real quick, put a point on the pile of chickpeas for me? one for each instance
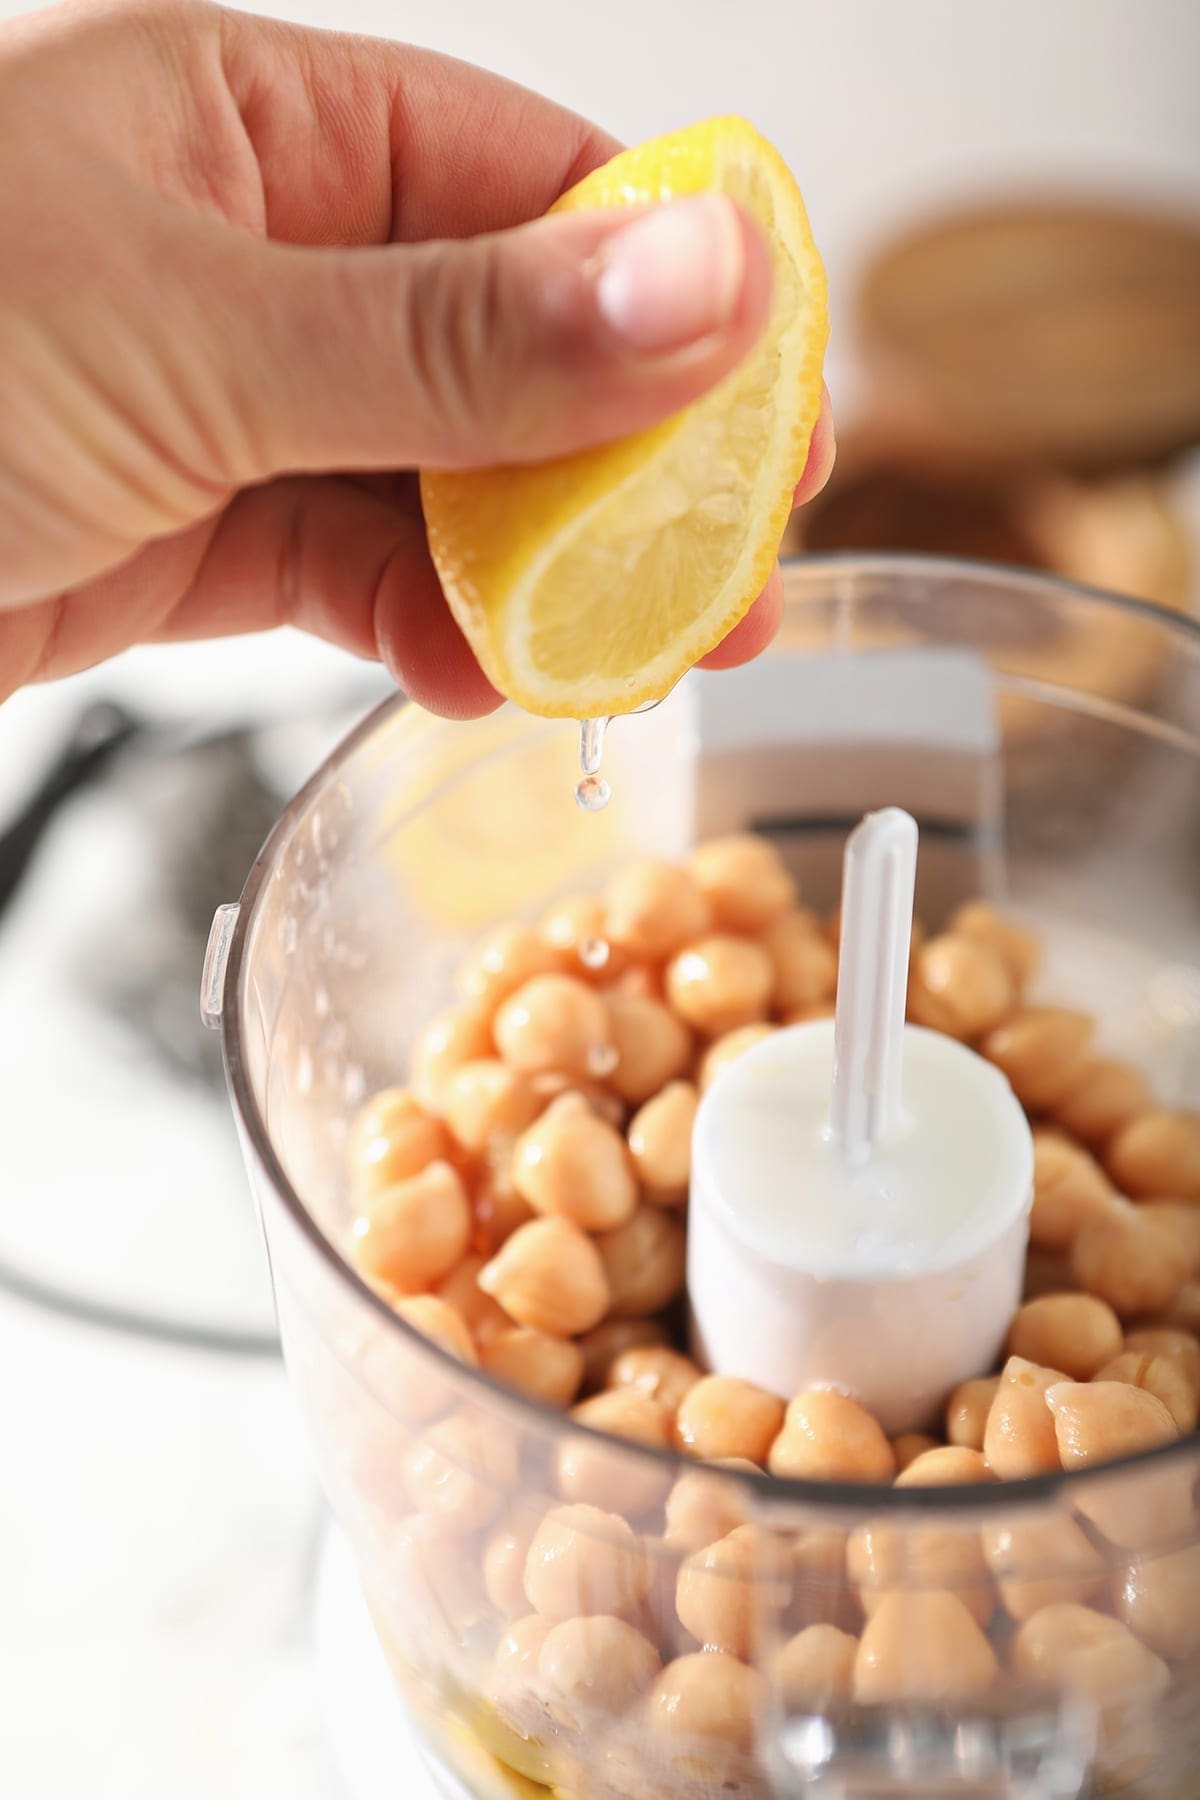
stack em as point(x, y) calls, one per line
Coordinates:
point(521, 1201)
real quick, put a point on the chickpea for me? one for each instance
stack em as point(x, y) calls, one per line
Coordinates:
point(924, 1647)
point(1040, 1049)
point(804, 964)
point(549, 1275)
point(660, 1143)
point(414, 1232)
point(720, 983)
point(462, 1471)
point(402, 1380)
point(883, 1559)
point(593, 1669)
point(1161, 1376)
point(1131, 1262)
point(826, 1436)
point(644, 1262)
point(1098, 1421)
point(509, 956)
point(438, 1322)
point(1158, 1597)
point(604, 1103)
point(512, 1683)
point(744, 879)
point(555, 1025)
point(823, 1594)
point(1164, 1340)
point(584, 1562)
point(599, 1473)
point(909, 1445)
point(1070, 1646)
point(946, 1465)
point(575, 932)
point(1070, 1189)
point(1047, 1272)
point(432, 1566)
point(729, 1594)
point(1181, 1223)
point(967, 1411)
point(722, 1417)
point(653, 1046)
point(1076, 1333)
point(1019, 1437)
point(460, 1035)
point(1157, 1154)
point(548, 1368)
point(815, 1667)
point(478, 1311)
point(653, 908)
point(602, 1345)
point(1103, 1098)
point(504, 1558)
point(967, 980)
point(655, 1370)
point(499, 1208)
point(572, 1165)
point(1184, 1311)
point(708, 1695)
point(482, 1101)
point(1042, 1562)
point(727, 1049)
point(393, 1138)
point(703, 1507)
point(1019, 948)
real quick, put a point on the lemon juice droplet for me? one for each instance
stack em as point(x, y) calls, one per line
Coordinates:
point(593, 953)
point(592, 792)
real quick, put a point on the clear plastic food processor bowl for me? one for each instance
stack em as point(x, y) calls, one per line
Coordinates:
point(1047, 739)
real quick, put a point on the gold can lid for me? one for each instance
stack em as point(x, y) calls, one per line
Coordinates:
point(1055, 334)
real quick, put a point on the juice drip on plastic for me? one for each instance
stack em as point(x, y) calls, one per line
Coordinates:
point(592, 792)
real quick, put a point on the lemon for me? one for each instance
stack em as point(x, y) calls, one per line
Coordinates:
point(589, 584)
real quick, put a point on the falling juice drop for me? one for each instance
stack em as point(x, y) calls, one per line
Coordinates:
point(592, 792)
point(594, 953)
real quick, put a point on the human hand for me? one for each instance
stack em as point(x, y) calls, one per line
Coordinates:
point(254, 276)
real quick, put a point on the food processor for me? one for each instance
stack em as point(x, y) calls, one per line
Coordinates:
point(1046, 738)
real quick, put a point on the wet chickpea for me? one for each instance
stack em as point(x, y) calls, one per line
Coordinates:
point(722, 1416)
point(1184, 1310)
point(1098, 1421)
point(882, 1559)
point(593, 1669)
point(549, 1275)
point(1070, 1646)
point(504, 1557)
point(416, 1231)
point(660, 1143)
point(1161, 1376)
point(1181, 1222)
point(547, 1368)
point(432, 1565)
point(653, 908)
point(570, 1164)
point(1019, 949)
point(393, 1138)
point(604, 1343)
point(406, 1384)
point(967, 1411)
point(508, 957)
point(1019, 1438)
point(1070, 1189)
point(644, 1262)
point(652, 1046)
point(744, 880)
point(1165, 1340)
point(499, 1209)
point(909, 1445)
point(462, 1470)
point(583, 1562)
point(1158, 1597)
point(720, 983)
point(945, 1465)
point(1104, 1097)
point(1076, 1333)
point(1047, 1272)
point(922, 1646)
point(596, 1474)
point(822, 1592)
point(439, 1322)
point(575, 932)
point(512, 1683)
point(703, 1507)
point(486, 1100)
point(1043, 1562)
point(555, 1024)
point(478, 1311)
point(652, 1369)
point(709, 1695)
point(968, 982)
point(731, 1593)
point(1131, 1262)
point(728, 1048)
point(828, 1437)
point(460, 1035)
point(1157, 1154)
point(815, 1667)
point(803, 963)
point(1040, 1049)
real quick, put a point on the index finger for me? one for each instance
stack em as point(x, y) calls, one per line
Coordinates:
point(360, 140)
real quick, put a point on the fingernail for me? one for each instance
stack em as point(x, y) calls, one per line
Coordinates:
point(674, 274)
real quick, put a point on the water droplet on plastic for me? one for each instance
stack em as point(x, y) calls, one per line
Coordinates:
point(602, 1060)
point(594, 953)
point(593, 793)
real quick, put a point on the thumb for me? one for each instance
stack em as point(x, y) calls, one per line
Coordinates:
point(515, 346)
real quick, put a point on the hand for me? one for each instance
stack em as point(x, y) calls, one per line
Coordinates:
point(254, 276)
